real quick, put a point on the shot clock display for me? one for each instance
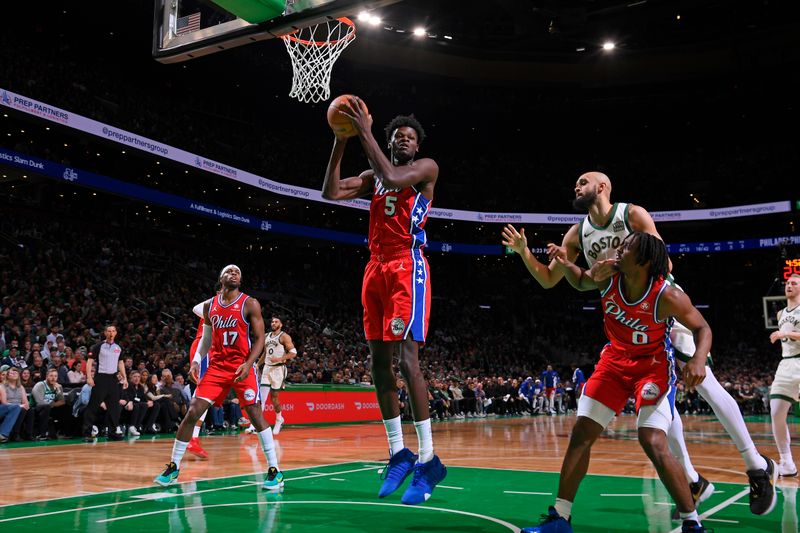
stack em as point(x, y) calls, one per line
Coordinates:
point(790, 266)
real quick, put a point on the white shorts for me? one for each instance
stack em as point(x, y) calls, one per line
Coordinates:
point(274, 377)
point(786, 385)
point(657, 416)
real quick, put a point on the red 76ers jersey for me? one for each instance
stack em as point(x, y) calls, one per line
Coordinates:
point(230, 338)
point(396, 219)
point(632, 327)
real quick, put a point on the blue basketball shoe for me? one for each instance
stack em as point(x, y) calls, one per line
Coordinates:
point(426, 477)
point(274, 479)
point(552, 522)
point(396, 471)
point(168, 476)
point(690, 526)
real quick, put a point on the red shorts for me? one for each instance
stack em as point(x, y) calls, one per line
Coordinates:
point(616, 378)
point(217, 381)
point(396, 295)
point(549, 390)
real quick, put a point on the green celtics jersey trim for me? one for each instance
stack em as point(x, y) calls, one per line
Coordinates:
point(789, 321)
point(599, 243)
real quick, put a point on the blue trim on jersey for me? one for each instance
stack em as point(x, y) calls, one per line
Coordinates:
point(203, 367)
point(416, 325)
point(655, 306)
point(672, 377)
point(241, 311)
point(420, 209)
point(219, 300)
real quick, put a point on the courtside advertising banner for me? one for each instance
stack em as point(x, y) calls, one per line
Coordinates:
point(318, 407)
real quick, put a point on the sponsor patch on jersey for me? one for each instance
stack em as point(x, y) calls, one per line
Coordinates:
point(249, 395)
point(397, 326)
point(650, 391)
point(645, 306)
point(618, 226)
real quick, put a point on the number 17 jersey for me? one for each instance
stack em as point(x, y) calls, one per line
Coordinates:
point(396, 220)
point(230, 338)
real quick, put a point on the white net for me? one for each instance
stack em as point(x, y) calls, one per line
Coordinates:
point(314, 50)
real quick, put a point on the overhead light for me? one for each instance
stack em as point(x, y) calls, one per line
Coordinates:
point(374, 20)
point(363, 16)
point(678, 17)
point(420, 31)
point(608, 45)
point(580, 49)
point(448, 37)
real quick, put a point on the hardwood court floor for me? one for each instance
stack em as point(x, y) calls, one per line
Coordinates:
point(502, 475)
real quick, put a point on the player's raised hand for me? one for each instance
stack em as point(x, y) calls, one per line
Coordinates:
point(242, 372)
point(194, 372)
point(356, 110)
point(602, 270)
point(555, 251)
point(514, 239)
point(694, 372)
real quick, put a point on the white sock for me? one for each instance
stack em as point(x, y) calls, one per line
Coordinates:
point(394, 431)
point(178, 449)
point(780, 429)
point(677, 445)
point(727, 410)
point(425, 440)
point(563, 508)
point(690, 516)
point(196, 430)
point(268, 445)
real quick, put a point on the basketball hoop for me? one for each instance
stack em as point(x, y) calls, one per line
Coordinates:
point(313, 51)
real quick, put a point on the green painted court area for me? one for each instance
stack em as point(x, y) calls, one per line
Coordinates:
point(342, 498)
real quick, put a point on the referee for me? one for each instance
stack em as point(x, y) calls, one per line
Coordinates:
point(105, 385)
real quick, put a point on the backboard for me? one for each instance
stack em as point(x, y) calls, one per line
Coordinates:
point(186, 29)
point(772, 304)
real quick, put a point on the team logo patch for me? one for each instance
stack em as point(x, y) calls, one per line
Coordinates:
point(618, 226)
point(645, 306)
point(397, 326)
point(249, 395)
point(650, 391)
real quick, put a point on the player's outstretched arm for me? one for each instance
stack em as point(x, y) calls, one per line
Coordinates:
point(675, 303)
point(335, 188)
point(578, 277)
point(547, 275)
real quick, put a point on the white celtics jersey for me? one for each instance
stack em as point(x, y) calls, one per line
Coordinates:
point(599, 243)
point(274, 349)
point(789, 321)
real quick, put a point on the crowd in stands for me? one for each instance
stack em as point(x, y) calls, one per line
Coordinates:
point(489, 343)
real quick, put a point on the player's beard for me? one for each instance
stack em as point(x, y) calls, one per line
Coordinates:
point(583, 203)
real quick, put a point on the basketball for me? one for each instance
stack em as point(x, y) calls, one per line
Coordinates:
point(340, 123)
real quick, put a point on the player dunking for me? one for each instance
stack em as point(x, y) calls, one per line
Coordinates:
point(638, 305)
point(229, 319)
point(395, 293)
point(597, 237)
point(784, 391)
point(278, 349)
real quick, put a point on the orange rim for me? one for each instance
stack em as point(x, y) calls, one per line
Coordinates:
point(344, 20)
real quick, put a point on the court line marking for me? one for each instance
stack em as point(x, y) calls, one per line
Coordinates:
point(503, 523)
point(717, 508)
point(720, 520)
point(626, 495)
point(337, 479)
point(446, 487)
point(176, 494)
point(531, 493)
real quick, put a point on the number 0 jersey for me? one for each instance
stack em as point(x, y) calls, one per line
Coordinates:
point(230, 339)
point(633, 328)
point(396, 220)
point(274, 348)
